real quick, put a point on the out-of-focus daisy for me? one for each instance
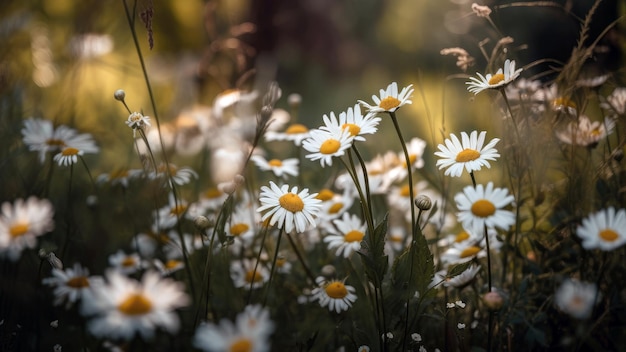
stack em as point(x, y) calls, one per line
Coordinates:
point(212, 199)
point(586, 133)
point(120, 176)
point(615, 102)
point(74, 147)
point(592, 82)
point(468, 154)
point(296, 133)
point(41, 136)
point(605, 230)
point(137, 121)
point(463, 278)
point(399, 198)
point(71, 284)
point(348, 236)
point(246, 273)
point(353, 121)
point(280, 168)
point(324, 145)
point(125, 263)
point(498, 80)
point(334, 208)
point(462, 252)
point(241, 228)
point(169, 266)
point(21, 223)
point(288, 209)
point(250, 332)
point(175, 210)
point(484, 206)
point(576, 298)
point(334, 294)
point(389, 100)
point(180, 175)
point(124, 307)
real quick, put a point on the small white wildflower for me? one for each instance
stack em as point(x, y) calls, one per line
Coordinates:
point(461, 326)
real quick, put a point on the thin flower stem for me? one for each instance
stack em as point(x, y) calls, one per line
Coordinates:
point(364, 205)
point(368, 194)
point(256, 264)
point(272, 271)
point(308, 271)
point(408, 299)
point(409, 168)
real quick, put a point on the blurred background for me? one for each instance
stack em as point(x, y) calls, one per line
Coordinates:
point(63, 59)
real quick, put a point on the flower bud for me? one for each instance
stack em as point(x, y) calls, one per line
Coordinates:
point(202, 222)
point(493, 300)
point(119, 94)
point(423, 202)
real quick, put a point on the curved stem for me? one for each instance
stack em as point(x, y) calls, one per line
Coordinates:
point(409, 170)
point(272, 271)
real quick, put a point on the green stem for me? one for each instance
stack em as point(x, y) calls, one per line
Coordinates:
point(409, 170)
point(272, 271)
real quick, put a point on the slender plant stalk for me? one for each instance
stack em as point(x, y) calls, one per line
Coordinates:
point(273, 270)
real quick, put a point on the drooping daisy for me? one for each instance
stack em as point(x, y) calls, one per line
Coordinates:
point(71, 284)
point(462, 252)
point(605, 230)
point(169, 266)
point(120, 176)
point(483, 206)
point(348, 235)
point(245, 273)
point(333, 294)
point(353, 121)
point(125, 263)
point(324, 145)
point(41, 136)
point(74, 147)
point(576, 298)
point(280, 168)
point(179, 175)
point(124, 307)
point(468, 154)
point(586, 133)
point(500, 79)
point(137, 121)
point(389, 100)
point(615, 102)
point(21, 223)
point(463, 278)
point(251, 332)
point(288, 209)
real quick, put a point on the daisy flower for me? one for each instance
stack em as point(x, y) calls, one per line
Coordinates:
point(280, 168)
point(500, 79)
point(21, 223)
point(295, 133)
point(586, 133)
point(125, 263)
point(71, 284)
point(179, 175)
point(212, 199)
point(124, 307)
point(324, 145)
point(576, 298)
point(616, 101)
point(463, 278)
point(605, 230)
point(468, 154)
point(169, 266)
point(250, 332)
point(333, 294)
point(74, 147)
point(241, 229)
point(246, 274)
point(137, 121)
point(348, 236)
point(41, 136)
point(171, 213)
point(462, 252)
point(353, 121)
point(389, 100)
point(120, 176)
point(288, 209)
point(483, 206)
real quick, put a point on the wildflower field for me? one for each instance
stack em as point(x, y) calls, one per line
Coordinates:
point(248, 176)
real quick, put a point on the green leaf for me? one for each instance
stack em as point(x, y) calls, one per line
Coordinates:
point(373, 255)
point(222, 218)
point(458, 269)
point(414, 269)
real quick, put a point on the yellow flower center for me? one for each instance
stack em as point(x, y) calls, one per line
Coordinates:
point(171, 264)
point(467, 155)
point(483, 208)
point(19, 229)
point(469, 252)
point(275, 163)
point(135, 117)
point(135, 304)
point(405, 191)
point(330, 146)
point(354, 129)
point(336, 290)
point(563, 101)
point(241, 345)
point(335, 208)
point(55, 142)
point(353, 236)
point(396, 238)
point(129, 261)
point(163, 168)
point(178, 210)
point(252, 276)
point(280, 262)
point(595, 132)
point(118, 174)
point(389, 103)
point(238, 229)
point(462, 236)
point(497, 78)
point(78, 282)
point(412, 159)
point(212, 193)
point(608, 235)
point(291, 202)
point(69, 151)
point(296, 129)
point(325, 194)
